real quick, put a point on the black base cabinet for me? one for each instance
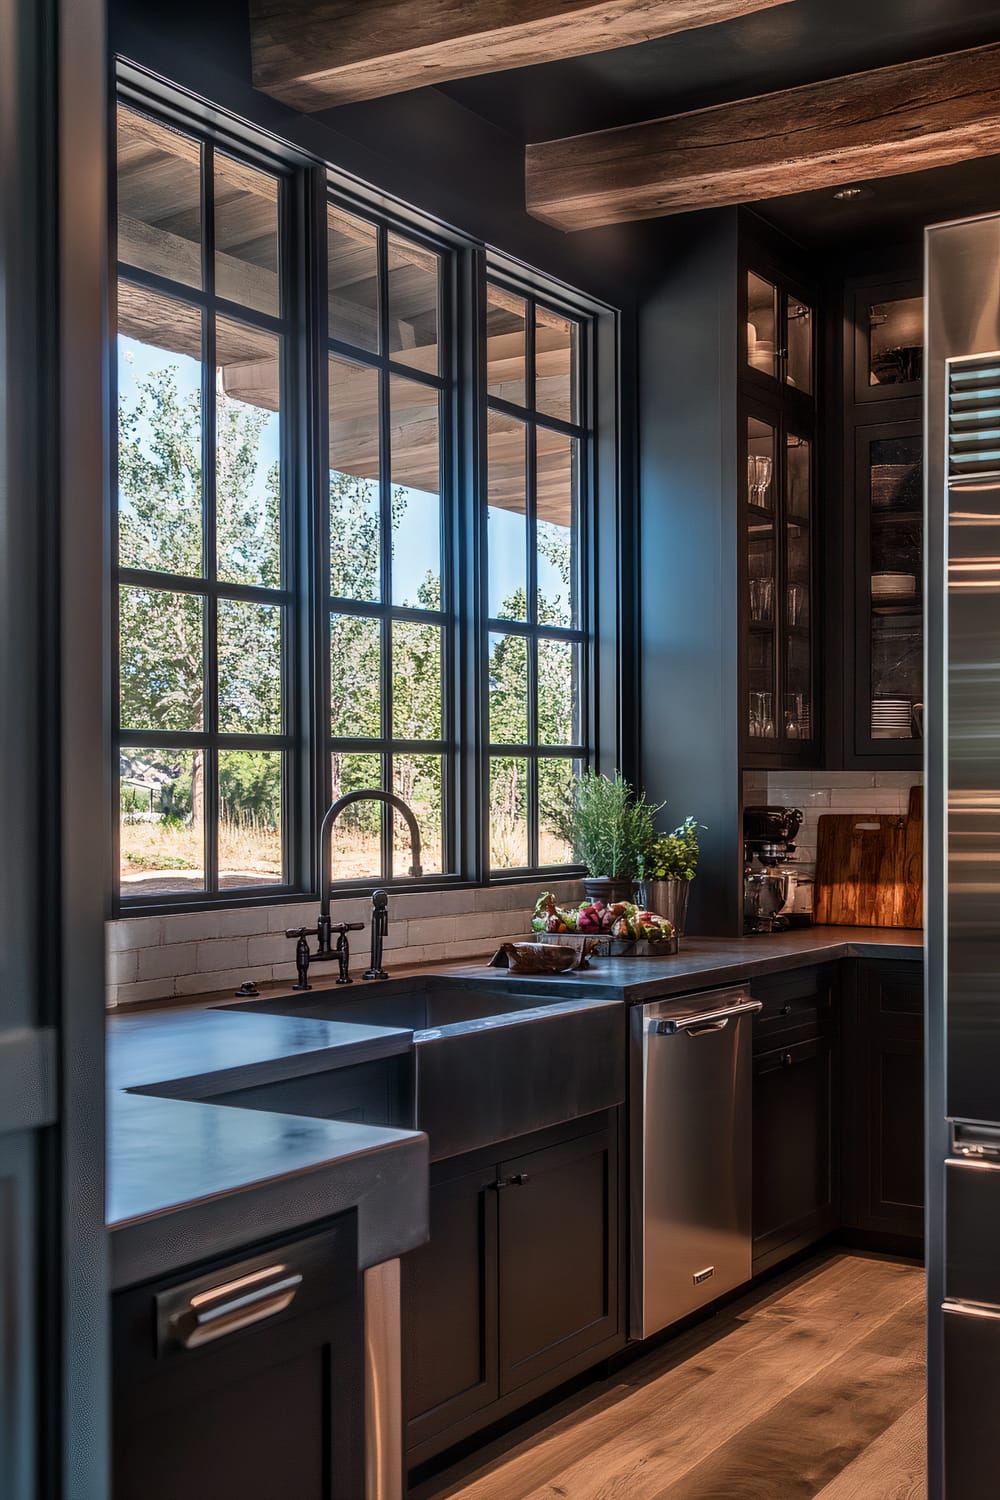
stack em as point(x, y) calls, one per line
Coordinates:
point(520, 1285)
point(227, 1407)
point(794, 1114)
point(884, 1099)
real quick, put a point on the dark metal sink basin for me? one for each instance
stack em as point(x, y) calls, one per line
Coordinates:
point(490, 1063)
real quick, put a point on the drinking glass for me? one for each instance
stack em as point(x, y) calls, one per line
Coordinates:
point(761, 600)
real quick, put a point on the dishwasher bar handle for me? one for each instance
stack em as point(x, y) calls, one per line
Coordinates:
point(705, 1018)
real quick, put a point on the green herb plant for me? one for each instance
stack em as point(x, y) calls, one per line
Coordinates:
point(672, 856)
point(612, 826)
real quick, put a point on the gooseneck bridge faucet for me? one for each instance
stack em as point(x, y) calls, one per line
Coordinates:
point(324, 929)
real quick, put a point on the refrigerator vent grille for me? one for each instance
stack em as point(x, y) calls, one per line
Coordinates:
point(974, 416)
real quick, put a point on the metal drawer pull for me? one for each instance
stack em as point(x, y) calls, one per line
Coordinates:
point(696, 1024)
point(234, 1305)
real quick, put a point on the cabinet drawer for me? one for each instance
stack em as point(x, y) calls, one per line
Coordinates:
point(233, 1307)
point(798, 1002)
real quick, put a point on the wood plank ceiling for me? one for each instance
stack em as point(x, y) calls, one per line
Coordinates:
point(314, 54)
point(893, 120)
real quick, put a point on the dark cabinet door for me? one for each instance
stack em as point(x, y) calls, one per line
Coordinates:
point(793, 1168)
point(449, 1304)
point(558, 1256)
point(884, 1101)
point(244, 1381)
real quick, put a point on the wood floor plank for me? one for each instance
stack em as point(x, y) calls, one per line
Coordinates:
point(894, 1467)
point(802, 1442)
point(639, 1440)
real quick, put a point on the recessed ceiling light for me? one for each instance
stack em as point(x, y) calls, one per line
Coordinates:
point(848, 194)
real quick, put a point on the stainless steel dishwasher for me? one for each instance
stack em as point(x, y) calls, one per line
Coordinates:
point(690, 1153)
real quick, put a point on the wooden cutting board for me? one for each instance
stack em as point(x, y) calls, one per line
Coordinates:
point(869, 868)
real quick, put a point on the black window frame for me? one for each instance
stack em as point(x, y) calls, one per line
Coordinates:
point(465, 266)
point(508, 277)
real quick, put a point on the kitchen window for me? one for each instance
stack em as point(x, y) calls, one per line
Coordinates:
point(536, 647)
point(350, 521)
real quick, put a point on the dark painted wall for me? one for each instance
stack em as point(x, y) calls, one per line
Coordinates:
point(689, 740)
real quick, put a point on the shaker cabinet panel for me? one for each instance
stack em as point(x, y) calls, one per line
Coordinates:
point(449, 1298)
point(884, 1098)
point(558, 1256)
point(793, 1136)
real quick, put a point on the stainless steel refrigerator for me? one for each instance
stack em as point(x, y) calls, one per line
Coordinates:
point(962, 394)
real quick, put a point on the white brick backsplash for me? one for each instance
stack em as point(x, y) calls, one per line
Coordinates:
point(273, 949)
point(902, 779)
point(148, 989)
point(432, 930)
point(223, 953)
point(168, 960)
point(224, 979)
point(194, 927)
point(159, 958)
point(123, 967)
point(874, 799)
point(133, 932)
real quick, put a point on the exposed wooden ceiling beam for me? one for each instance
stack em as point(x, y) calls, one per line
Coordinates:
point(884, 123)
point(314, 54)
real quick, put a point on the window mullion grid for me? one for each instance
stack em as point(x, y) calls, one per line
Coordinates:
point(210, 710)
point(385, 541)
point(531, 530)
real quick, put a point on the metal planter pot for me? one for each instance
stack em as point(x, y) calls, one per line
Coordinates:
point(668, 898)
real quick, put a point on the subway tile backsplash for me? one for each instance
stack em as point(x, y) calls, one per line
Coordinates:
point(819, 792)
point(164, 958)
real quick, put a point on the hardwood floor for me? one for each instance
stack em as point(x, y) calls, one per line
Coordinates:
point(812, 1387)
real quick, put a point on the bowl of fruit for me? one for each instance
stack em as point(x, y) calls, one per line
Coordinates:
point(627, 930)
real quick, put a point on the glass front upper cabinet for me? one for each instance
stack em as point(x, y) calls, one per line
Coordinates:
point(779, 333)
point(778, 591)
point(891, 641)
point(889, 360)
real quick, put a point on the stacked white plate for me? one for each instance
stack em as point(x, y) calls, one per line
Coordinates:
point(893, 585)
point(892, 719)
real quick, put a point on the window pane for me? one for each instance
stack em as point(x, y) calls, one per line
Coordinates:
point(355, 677)
point(249, 667)
point(162, 828)
point(557, 363)
point(558, 693)
point(418, 780)
point(799, 364)
point(508, 686)
point(162, 682)
point(246, 235)
point(159, 199)
point(558, 482)
point(416, 681)
point(414, 275)
point(159, 433)
point(250, 818)
point(508, 813)
point(352, 271)
point(507, 533)
point(248, 457)
point(556, 780)
point(506, 320)
point(355, 558)
point(357, 833)
point(416, 495)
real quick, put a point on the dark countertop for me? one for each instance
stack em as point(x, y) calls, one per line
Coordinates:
point(186, 1180)
point(189, 1179)
point(702, 962)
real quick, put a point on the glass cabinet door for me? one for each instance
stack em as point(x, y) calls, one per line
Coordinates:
point(760, 603)
point(797, 706)
point(890, 485)
point(779, 334)
point(889, 353)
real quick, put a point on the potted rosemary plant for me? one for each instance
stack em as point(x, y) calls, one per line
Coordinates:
point(612, 826)
point(666, 868)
